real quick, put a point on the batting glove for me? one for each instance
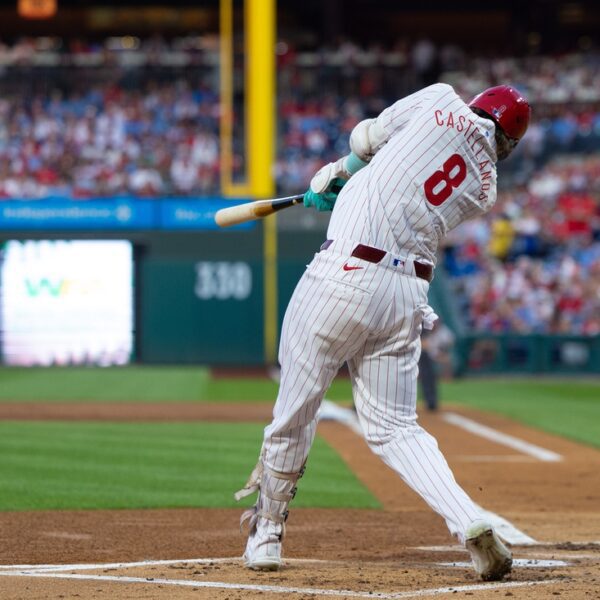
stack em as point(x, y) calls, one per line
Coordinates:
point(325, 200)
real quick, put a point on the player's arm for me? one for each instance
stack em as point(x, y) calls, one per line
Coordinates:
point(370, 135)
point(329, 179)
point(366, 139)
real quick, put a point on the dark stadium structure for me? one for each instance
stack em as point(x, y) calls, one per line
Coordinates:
point(514, 26)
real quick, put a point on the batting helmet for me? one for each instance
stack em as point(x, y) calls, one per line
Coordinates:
point(507, 107)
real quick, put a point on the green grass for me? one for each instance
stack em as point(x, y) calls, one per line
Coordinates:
point(55, 465)
point(138, 384)
point(565, 407)
point(145, 384)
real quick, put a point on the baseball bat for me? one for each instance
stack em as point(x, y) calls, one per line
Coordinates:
point(241, 213)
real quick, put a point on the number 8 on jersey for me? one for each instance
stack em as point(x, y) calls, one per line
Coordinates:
point(451, 175)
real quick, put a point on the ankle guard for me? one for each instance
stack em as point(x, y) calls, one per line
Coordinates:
point(275, 491)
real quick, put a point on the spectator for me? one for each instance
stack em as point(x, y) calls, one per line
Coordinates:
point(502, 237)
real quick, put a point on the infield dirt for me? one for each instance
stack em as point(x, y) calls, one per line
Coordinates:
point(362, 550)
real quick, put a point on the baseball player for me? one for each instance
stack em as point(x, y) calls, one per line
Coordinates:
point(423, 166)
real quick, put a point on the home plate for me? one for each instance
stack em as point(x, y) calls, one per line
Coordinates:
point(525, 563)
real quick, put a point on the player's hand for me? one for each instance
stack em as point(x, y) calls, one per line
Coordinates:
point(325, 200)
point(321, 202)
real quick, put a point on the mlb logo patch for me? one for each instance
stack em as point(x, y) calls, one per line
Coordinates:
point(497, 112)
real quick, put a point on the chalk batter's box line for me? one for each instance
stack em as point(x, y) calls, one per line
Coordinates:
point(149, 563)
point(275, 589)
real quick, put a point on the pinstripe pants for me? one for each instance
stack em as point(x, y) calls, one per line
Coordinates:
point(370, 317)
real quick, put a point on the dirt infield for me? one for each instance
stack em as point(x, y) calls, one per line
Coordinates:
point(403, 551)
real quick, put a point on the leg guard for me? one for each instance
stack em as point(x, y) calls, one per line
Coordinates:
point(266, 519)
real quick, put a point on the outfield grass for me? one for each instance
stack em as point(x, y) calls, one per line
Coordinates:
point(567, 406)
point(54, 465)
point(139, 384)
point(132, 384)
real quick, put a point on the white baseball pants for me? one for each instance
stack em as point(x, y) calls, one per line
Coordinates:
point(370, 317)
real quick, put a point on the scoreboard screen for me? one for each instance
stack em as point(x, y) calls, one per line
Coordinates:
point(66, 302)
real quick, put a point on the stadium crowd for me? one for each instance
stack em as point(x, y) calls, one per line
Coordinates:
point(162, 139)
point(533, 263)
point(145, 132)
point(159, 139)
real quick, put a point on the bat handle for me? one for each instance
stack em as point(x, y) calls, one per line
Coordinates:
point(282, 203)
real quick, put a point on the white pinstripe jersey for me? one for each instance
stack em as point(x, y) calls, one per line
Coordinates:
point(436, 170)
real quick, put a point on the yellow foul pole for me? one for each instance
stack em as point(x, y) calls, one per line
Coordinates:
point(260, 144)
point(228, 187)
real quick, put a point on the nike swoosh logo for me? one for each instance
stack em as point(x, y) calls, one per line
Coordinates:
point(347, 268)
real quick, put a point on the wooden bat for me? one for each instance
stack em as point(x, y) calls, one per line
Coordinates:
point(242, 213)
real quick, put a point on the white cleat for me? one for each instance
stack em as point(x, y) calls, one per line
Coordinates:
point(492, 560)
point(263, 548)
point(263, 558)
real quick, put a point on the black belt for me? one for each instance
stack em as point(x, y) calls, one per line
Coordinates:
point(375, 255)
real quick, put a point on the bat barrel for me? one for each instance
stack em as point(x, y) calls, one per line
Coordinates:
point(242, 213)
point(234, 215)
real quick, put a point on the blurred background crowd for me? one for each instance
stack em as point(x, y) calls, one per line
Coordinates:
point(532, 265)
point(140, 117)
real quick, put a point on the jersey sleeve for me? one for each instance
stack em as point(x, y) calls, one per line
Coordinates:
point(395, 117)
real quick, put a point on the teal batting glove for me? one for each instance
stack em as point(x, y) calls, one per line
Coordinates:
point(326, 200)
point(321, 202)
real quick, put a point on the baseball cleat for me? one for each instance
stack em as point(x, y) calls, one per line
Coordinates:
point(263, 562)
point(492, 560)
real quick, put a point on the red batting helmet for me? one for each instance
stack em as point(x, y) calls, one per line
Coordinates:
point(507, 107)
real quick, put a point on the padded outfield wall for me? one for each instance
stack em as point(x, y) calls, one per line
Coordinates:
point(201, 294)
point(198, 291)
